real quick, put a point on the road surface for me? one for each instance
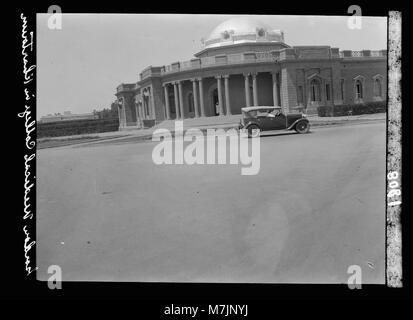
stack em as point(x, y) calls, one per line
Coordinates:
point(317, 206)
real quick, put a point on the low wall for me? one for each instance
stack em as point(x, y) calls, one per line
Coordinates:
point(68, 128)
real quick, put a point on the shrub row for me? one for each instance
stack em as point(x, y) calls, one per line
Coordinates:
point(352, 109)
point(68, 128)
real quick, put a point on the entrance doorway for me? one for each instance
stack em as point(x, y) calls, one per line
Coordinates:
point(215, 102)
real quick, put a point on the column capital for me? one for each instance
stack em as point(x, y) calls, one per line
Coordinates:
point(254, 74)
point(218, 77)
point(199, 79)
point(193, 79)
point(246, 74)
point(226, 76)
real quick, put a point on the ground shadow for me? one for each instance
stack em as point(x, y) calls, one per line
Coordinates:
point(280, 134)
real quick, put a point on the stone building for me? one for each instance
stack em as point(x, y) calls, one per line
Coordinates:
point(244, 62)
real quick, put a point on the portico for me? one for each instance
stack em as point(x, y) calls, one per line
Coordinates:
point(226, 94)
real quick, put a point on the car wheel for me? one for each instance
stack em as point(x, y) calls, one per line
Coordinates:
point(253, 131)
point(302, 127)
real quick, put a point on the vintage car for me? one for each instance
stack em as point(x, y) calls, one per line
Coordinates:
point(262, 118)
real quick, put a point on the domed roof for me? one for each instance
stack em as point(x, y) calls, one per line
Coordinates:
point(242, 29)
point(238, 25)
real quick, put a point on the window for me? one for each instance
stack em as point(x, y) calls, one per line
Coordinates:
point(359, 89)
point(377, 88)
point(262, 112)
point(315, 90)
point(342, 89)
point(328, 92)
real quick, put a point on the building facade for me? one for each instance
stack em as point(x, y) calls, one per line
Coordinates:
point(245, 63)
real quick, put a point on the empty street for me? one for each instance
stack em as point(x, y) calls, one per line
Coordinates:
point(317, 206)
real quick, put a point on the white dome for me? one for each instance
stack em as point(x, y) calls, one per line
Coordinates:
point(242, 29)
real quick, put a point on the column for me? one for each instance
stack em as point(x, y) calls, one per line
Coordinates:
point(247, 90)
point(227, 101)
point(142, 111)
point(124, 111)
point(201, 97)
point(176, 100)
point(254, 89)
point(153, 111)
point(125, 122)
point(140, 117)
point(181, 100)
point(275, 90)
point(137, 113)
point(119, 114)
point(168, 112)
point(195, 95)
point(220, 107)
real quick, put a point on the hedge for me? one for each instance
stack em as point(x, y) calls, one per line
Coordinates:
point(352, 109)
point(68, 128)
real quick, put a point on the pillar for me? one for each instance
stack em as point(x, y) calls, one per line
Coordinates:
point(176, 100)
point(152, 112)
point(168, 112)
point(181, 100)
point(137, 113)
point(119, 114)
point(254, 89)
point(201, 97)
point(247, 90)
point(195, 95)
point(227, 101)
point(141, 110)
point(123, 104)
point(275, 90)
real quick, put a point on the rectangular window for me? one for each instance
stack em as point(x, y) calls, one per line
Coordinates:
point(342, 89)
point(358, 91)
point(328, 92)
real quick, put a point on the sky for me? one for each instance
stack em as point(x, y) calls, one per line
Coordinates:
point(80, 66)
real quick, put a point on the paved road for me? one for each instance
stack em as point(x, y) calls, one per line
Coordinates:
point(107, 212)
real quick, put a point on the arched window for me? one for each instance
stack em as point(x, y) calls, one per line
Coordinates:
point(377, 87)
point(359, 89)
point(315, 93)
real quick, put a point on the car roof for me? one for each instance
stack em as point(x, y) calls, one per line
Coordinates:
point(246, 109)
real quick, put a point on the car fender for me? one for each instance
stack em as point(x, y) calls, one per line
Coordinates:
point(250, 123)
point(297, 121)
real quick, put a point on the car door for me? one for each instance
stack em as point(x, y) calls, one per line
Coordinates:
point(279, 122)
point(265, 120)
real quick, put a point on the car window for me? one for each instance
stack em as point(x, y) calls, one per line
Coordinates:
point(263, 112)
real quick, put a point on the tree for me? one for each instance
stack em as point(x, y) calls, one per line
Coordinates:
point(107, 113)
